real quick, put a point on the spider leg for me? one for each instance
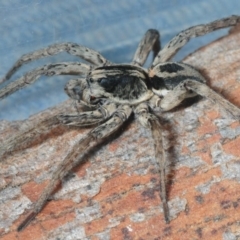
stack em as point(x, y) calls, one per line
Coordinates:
point(174, 97)
point(64, 68)
point(89, 118)
point(150, 41)
point(85, 53)
point(28, 136)
point(150, 120)
point(183, 90)
point(184, 36)
point(206, 91)
point(75, 156)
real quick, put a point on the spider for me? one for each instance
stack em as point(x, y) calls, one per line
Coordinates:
point(113, 92)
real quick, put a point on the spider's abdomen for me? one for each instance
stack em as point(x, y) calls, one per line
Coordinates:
point(166, 76)
point(123, 83)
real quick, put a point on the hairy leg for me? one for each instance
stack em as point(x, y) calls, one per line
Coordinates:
point(173, 98)
point(85, 53)
point(75, 156)
point(152, 122)
point(183, 37)
point(64, 68)
point(189, 88)
point(207, 92)
point(89, 118)
point(150, 41)
point(26, 138)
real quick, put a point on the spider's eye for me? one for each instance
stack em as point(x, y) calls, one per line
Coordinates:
point(91, 80)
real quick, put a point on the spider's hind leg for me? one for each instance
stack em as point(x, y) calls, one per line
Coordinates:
point(150, 41)
point(189, 88)
point(171, 48)
point(174, 97)
point(207, 92)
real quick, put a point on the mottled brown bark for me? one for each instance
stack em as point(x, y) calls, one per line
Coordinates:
point(115, 193)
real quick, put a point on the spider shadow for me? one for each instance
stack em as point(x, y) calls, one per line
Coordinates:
point(89, 154)
point(172, 140)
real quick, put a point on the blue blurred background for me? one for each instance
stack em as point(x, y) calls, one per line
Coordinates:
point(113, 28)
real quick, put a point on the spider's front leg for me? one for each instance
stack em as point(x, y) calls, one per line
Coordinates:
point(150, 41)
point(75, 156)
point(151, 121)
point(64, 68)
point(85, 53)
point(183, 37)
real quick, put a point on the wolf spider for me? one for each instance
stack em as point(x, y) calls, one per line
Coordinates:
point(114, 92)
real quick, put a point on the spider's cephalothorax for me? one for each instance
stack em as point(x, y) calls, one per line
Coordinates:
point(120, 83)
point(114, 92)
